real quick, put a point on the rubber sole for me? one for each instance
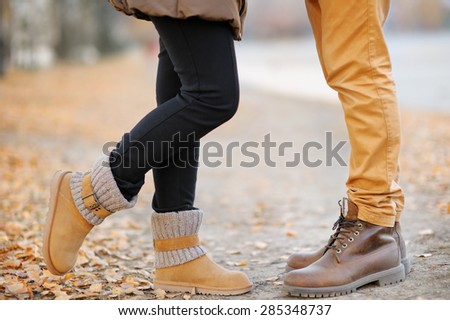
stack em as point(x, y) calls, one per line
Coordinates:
point(180, 287)
point(383, 278)
point(54, 188)
point(406, 262)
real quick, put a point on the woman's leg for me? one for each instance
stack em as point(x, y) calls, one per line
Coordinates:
point(175, 183)
point(203, 57)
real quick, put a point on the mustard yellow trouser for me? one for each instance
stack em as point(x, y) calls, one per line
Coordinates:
point(356, 63)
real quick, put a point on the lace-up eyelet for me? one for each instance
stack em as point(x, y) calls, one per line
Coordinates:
point(360, 225)
point(356, 233)
point(344, 245)
point(338, 250)
point(351, 239)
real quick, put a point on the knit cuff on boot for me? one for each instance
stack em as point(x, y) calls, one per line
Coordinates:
point(105, 189)
point(174, 225)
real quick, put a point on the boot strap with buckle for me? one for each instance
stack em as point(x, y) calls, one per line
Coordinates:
point(89, 199)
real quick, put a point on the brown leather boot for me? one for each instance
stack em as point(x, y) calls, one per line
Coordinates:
point(182, 265)
point(303, 259)
point(357, 254)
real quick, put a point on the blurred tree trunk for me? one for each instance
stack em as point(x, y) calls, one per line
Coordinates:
point(4, 35)
point(78, 28)
point(32, 33)
point(111, 28)
point(87, 29)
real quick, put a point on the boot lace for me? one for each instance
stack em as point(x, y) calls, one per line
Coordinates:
point(344, 231)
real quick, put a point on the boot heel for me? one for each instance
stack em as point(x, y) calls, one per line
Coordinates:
point(394, 275)
point(406, 262)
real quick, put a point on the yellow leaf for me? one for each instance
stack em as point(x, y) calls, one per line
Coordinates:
point(260, 245)
point(117, 291)
point(17, 288)
point(111, 276)
point(69, 276)
point(34, 276)
point(291, 233)
point(95, 288)
point(61, 295)
point(159, 293)
point(50, 285)
point(272, 279)
point(14, 264)
point(97, 262)
point(278, 283)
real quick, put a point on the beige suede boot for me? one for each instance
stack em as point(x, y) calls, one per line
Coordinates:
point(182, 265)
point(78, 201)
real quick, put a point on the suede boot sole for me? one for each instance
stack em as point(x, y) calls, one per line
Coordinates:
point(383, 278)
point(54, 189)
point(194, 289)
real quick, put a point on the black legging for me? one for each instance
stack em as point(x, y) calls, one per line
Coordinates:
point(197, 91)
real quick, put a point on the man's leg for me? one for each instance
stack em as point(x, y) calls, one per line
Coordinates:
point(356, 64)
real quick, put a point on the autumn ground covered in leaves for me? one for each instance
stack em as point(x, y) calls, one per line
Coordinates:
point(255, 217)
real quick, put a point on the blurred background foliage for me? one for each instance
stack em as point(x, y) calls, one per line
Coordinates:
point(38, 33)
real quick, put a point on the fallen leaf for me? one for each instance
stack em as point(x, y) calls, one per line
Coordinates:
point(97, 262)
point(144, 284)
point(278, 283)
point(260, 245)
point(103, 251)
point(187, 296)
point(426, 232)
point(9, 246)
point(234, 252)
point(61, 295)
point(13, 264)
point(291, 233)
point(96, 288)
point(118, 291)
point(82, 260)
point(17, 288)
point(424, 255)
point(128, 288)
point(272, 279)
point(112, 276)
point(256, 228)
point(173, 295)
point(50, 285)
point(45, 292)
point(34, 276)
point(122, 257)
point(240, 264)
point(159, 293)
point(69, 276)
